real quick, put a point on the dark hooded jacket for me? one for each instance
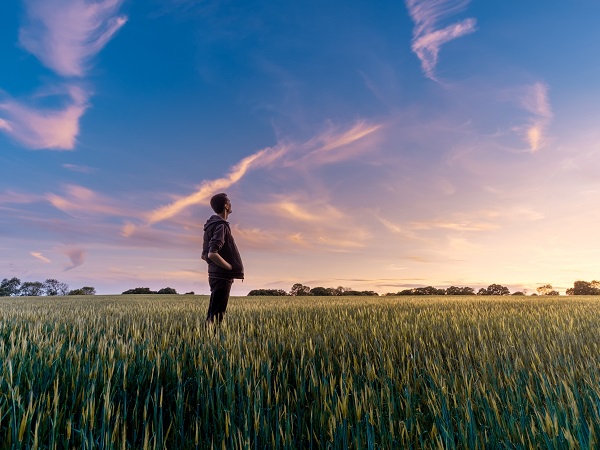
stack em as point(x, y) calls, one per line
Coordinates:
point(218, 239)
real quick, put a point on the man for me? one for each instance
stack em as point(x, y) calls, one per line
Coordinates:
point(223, 258)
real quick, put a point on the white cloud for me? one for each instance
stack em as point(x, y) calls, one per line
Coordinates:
point(66, 34)
point(428, 37)
point(38, 128)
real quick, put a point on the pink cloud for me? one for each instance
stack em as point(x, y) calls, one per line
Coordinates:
point(328, 147)
point(428, 37)
point(39, 256)
point(66, 34)
point(535, 100)
point(19, 198)
point(208, 188)
point(334, 144)
point(79, 199)
point(45, 128)
point(77, 257)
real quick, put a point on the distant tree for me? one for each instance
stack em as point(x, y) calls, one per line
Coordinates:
point(190, 293)
point(455, 290)
point(341, 290)
point(429, 290)
point(50, 287)
point(167, 290)
point(405, 292)
point(546, 290)
point(584, 288)
point(362, 293)
point(54, 287)
point(267, 292)
point(86, 290)
point(140, 290)
point(494, 289)
point(299, 289)
point(518, 293)
point(9, 287)
point(319, 290)
point(31, 289)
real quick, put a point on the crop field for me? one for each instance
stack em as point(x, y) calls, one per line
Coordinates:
point(142, 372)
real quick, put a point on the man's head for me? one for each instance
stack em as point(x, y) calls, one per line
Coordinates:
point(220, 202)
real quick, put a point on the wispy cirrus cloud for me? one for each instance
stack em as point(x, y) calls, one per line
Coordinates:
point(394, 228)
point(314, 150)
point(311, 221)
point(535, 101)
point(78, 168)
point(19, 197)
point(66, 34)
point(313, 212)
point(79, 200)
point(428, 37)
point(332, 139)
point(333, 145)
point(454, 226)
point(45, 128)
point(208, 188)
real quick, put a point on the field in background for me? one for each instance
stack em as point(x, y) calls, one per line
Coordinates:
point(291, 372)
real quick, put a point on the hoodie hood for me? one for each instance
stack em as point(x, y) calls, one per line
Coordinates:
point(213, 220)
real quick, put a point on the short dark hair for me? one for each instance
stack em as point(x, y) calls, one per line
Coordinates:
point(218, 202)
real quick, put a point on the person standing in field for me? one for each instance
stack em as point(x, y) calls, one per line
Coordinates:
point(223, 258)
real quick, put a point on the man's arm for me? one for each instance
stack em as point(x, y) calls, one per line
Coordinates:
point(219, 261)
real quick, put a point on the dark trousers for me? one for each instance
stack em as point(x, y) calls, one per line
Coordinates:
point(219, 296)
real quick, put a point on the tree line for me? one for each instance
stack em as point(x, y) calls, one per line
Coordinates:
point(51, 287)
point(14, 287)
point(498, 289)
point(298, 289)
point(145, 290)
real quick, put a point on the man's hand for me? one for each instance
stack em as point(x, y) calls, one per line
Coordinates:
point(219, 261)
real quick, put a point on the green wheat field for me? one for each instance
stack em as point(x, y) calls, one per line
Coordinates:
point(142, 372)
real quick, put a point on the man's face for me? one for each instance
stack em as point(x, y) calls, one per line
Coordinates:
point(228, 207)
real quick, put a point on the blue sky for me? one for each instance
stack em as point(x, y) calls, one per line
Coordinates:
point(374, 145)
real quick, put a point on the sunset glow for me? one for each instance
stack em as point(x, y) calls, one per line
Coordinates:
point(379, 146)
